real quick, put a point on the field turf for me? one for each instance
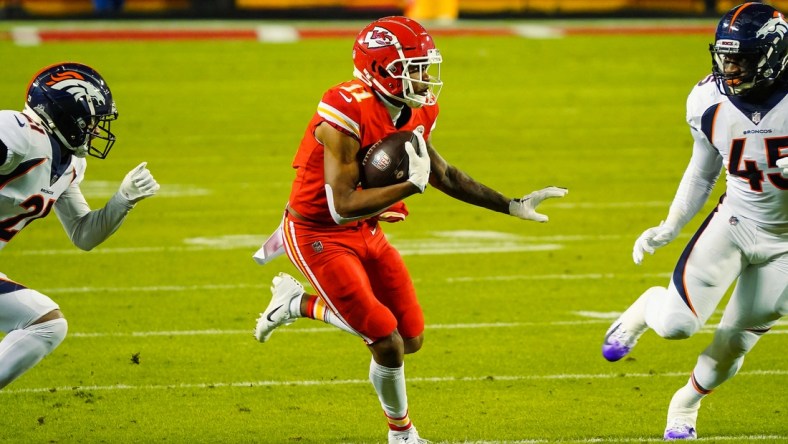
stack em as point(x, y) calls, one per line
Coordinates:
point(160, 346)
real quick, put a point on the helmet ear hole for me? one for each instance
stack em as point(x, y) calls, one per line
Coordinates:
point(382, 72)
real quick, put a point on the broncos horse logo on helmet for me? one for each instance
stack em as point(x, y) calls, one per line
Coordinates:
point(753, 34)
point(774, 25)
point(75, 84)
point(76, 106)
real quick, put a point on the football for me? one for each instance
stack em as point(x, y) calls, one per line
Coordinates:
point(386, 162)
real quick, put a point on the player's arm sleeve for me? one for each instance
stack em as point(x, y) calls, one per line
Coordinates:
point(85, 227)
point(696, 184)
point(13, 144)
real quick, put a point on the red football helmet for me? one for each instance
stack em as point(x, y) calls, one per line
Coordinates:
point(392, 55)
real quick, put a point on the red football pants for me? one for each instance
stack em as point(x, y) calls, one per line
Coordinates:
point(359, 275)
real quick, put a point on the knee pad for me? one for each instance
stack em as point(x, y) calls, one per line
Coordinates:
point(669, 319)
point(411, 323)
point(373, 324)
point(50, 333)
point(675, 326)
point(23, 349)
point(681, 327)
point(731, 343)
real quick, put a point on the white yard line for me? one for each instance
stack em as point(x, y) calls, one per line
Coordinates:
point(470, 326)
point(435, 243)
point(219, 332)
point(181, 288)
point(329, 382)
point(718, 438)
point(151, 288)
point(563, 277)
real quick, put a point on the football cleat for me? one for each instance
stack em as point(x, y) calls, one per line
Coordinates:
point(618, 342)
point(284, 288)
point(679, 429)
point(410, 436)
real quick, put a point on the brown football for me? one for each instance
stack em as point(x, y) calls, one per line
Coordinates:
point(386, 162)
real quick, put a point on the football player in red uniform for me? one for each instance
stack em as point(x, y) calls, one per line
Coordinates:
point(331, 231)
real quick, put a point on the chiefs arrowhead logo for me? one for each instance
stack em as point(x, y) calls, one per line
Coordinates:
point(379, 37)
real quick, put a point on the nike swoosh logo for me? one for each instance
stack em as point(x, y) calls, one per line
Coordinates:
point(272, 312)
point(21, 124)
point(347, 99)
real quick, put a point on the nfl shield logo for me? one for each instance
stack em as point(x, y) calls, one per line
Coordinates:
point(381, 160)
point(756, 117)
point(317, 246)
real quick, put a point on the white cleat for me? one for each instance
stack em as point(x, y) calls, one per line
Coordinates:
point(410, 436)
point(284, 288)
point(681, 419)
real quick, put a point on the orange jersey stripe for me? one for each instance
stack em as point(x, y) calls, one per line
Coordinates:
point(736, 14)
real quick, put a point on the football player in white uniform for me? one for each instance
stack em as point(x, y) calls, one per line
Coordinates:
point(738, 117)
point(68, 110)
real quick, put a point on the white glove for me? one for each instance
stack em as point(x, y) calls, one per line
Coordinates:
point(783, 163)
point(525, 208)
point(418, 163)
point(138, 184)
point(652, 239)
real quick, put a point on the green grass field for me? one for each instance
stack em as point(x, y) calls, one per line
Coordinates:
point(160, 346)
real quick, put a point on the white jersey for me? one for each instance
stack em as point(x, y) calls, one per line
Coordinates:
point(747, 140)
point(34, 174)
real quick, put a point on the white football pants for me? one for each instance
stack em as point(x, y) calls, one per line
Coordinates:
point(25, 343)
point(724, 248)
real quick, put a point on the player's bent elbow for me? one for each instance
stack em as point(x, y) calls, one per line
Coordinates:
point(83, 243)
point(339, 219)
point(84, 247)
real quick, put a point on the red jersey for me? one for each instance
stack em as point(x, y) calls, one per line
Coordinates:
point(353, 108)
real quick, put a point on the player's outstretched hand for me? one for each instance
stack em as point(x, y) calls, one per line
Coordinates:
point(418, 163)
point(138, 184)
point(651, 239)
point(525, 208)
point(783, 163)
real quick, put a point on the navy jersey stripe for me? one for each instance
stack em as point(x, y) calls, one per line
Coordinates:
point(20, 171)
point(9, 286)
point(707, 121)
point(763, 106)
point(61, 160)
point(681, 266)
